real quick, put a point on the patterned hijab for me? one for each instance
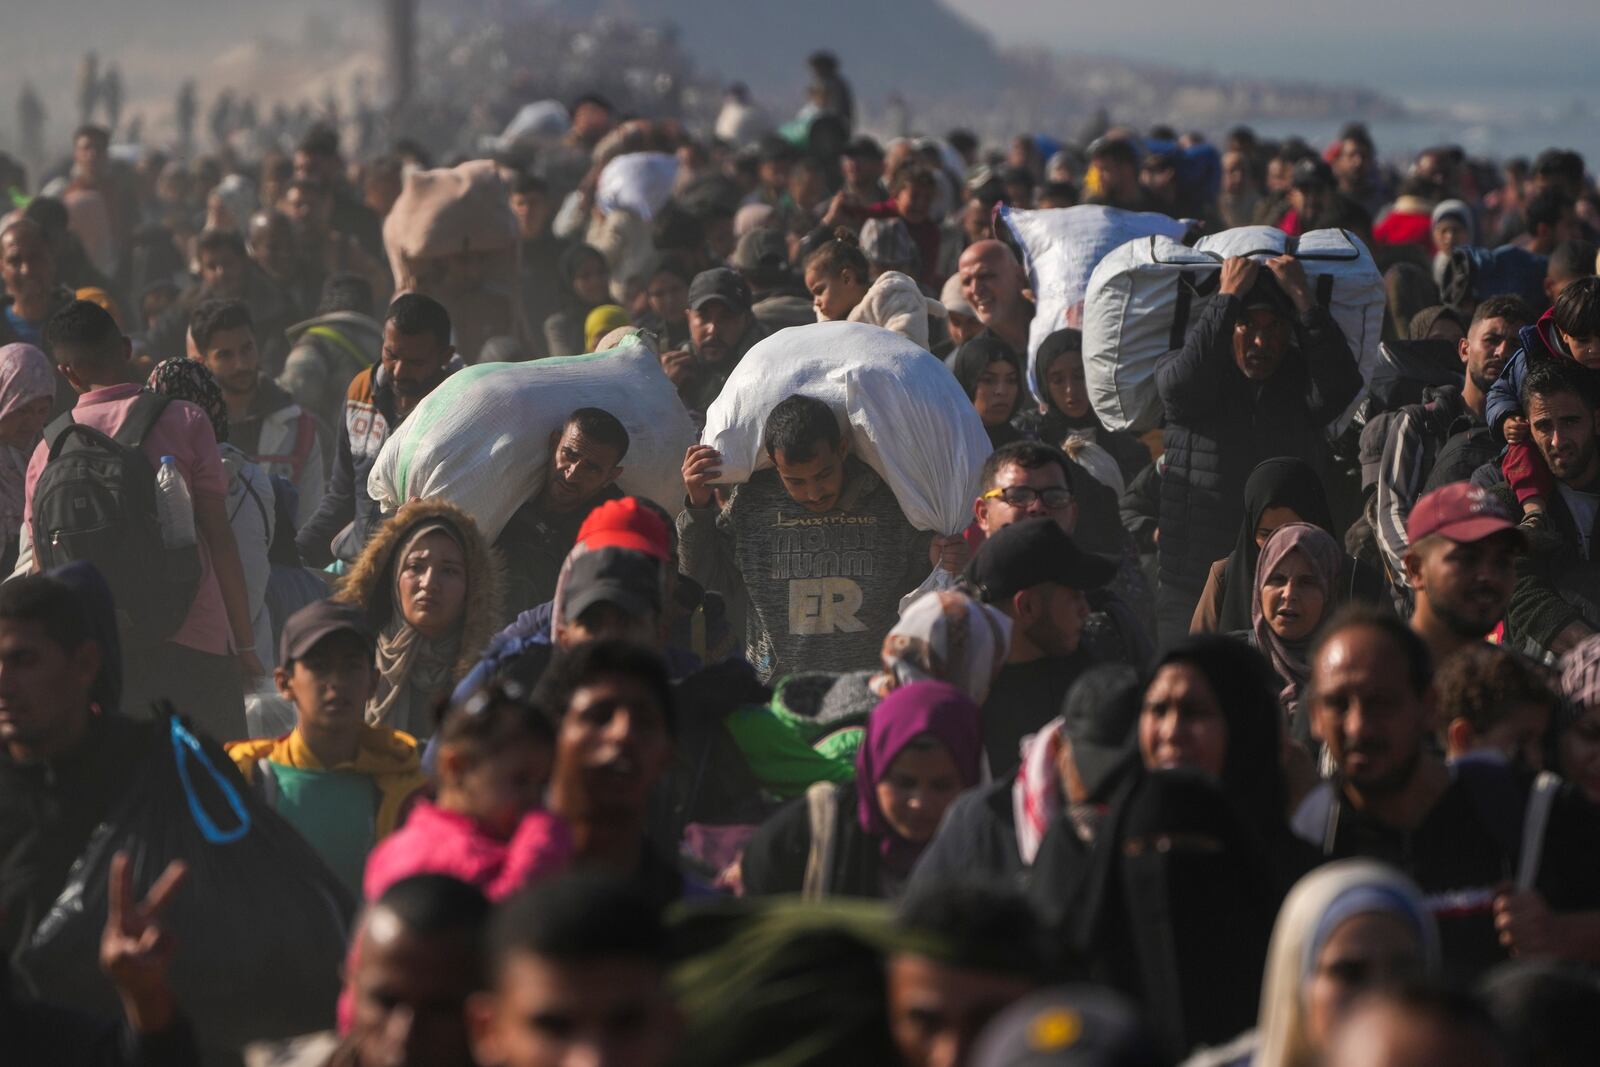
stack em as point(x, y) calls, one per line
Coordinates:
point(945, 636)
point(184, 379)
point(1580, 680)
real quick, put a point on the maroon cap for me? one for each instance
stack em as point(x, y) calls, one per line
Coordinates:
point(1461, 512)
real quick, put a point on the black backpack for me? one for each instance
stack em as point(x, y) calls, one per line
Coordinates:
point(1461, 455)
point(96, 501)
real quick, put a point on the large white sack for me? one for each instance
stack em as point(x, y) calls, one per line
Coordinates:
point(907, 417)
point(1060, 249)
point(1144, 295)
point(640, 182)
point(540, 120)
point(481, 440)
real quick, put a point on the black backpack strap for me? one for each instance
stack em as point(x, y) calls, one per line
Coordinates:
point(1180, 310)
point(1325, 291)
point(261, 505)
point(56, 432)
point(142, 418)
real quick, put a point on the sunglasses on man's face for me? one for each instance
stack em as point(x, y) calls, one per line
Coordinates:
point(1020, 496)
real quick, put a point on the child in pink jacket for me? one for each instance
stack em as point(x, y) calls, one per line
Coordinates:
point(486, 825)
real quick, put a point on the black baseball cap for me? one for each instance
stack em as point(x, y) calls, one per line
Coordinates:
point(1071, 1026)
point(631, 580)
point(303, 630)
point(1030, 553)
point(719, 283)
point(1099, 716)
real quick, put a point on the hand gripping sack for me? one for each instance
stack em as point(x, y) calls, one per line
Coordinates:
point(481, 440)
point(1061, 248)
point(1143, 297)
point(261, 924)
point(907, 417)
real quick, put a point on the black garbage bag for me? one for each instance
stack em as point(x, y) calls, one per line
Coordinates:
point(261, 923)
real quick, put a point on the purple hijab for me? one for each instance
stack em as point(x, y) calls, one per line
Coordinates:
point(1292, 659)
point(938, 709)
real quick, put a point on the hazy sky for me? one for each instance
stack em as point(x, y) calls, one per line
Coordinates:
point(1510, 55)
point(1435, 49)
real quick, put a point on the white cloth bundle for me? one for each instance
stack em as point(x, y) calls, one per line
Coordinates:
point(482, 439)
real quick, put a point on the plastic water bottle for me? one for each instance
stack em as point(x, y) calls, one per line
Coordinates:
point(174, 506)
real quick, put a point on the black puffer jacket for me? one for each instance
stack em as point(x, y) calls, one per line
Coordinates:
point(1220, 425)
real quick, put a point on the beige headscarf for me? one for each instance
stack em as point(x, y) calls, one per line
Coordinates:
point(410, 663)
point(1315, 907)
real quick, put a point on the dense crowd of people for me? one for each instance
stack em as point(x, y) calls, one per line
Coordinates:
point(1270, 736)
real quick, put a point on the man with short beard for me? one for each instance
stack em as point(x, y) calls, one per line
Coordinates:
point(264, 422)
point(722, 329)
point(1417, 434)
point(1461, 565)
point(417, 357)
point(1456, 834)
point(1557, 599)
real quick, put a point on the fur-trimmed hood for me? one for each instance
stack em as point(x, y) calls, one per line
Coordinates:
point(370, 581)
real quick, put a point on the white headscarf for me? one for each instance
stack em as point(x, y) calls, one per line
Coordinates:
point(1316, 907)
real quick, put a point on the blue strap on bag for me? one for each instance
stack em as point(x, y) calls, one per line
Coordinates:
point(186, 749)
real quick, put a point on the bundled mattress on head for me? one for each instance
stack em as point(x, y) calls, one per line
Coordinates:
point(1143, 296)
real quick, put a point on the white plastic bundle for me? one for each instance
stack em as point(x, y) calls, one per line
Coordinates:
point(1143, 297)
point(482, 439)
point(640, 182)
point(907, 417)
point(1060, 249)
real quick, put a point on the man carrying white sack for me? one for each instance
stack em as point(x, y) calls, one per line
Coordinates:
point(817, 551)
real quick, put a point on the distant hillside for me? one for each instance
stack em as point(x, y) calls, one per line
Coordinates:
point(905, 46)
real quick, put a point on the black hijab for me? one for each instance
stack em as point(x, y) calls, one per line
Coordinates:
point(1051, 349)
point(1247, 691)
point(968, 364)
point(568, 265)
point(1174, 908)
point(1281, 482)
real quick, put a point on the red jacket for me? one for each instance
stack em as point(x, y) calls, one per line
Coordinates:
point(1405, 228)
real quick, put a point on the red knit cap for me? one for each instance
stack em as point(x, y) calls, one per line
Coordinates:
point(626, 523)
